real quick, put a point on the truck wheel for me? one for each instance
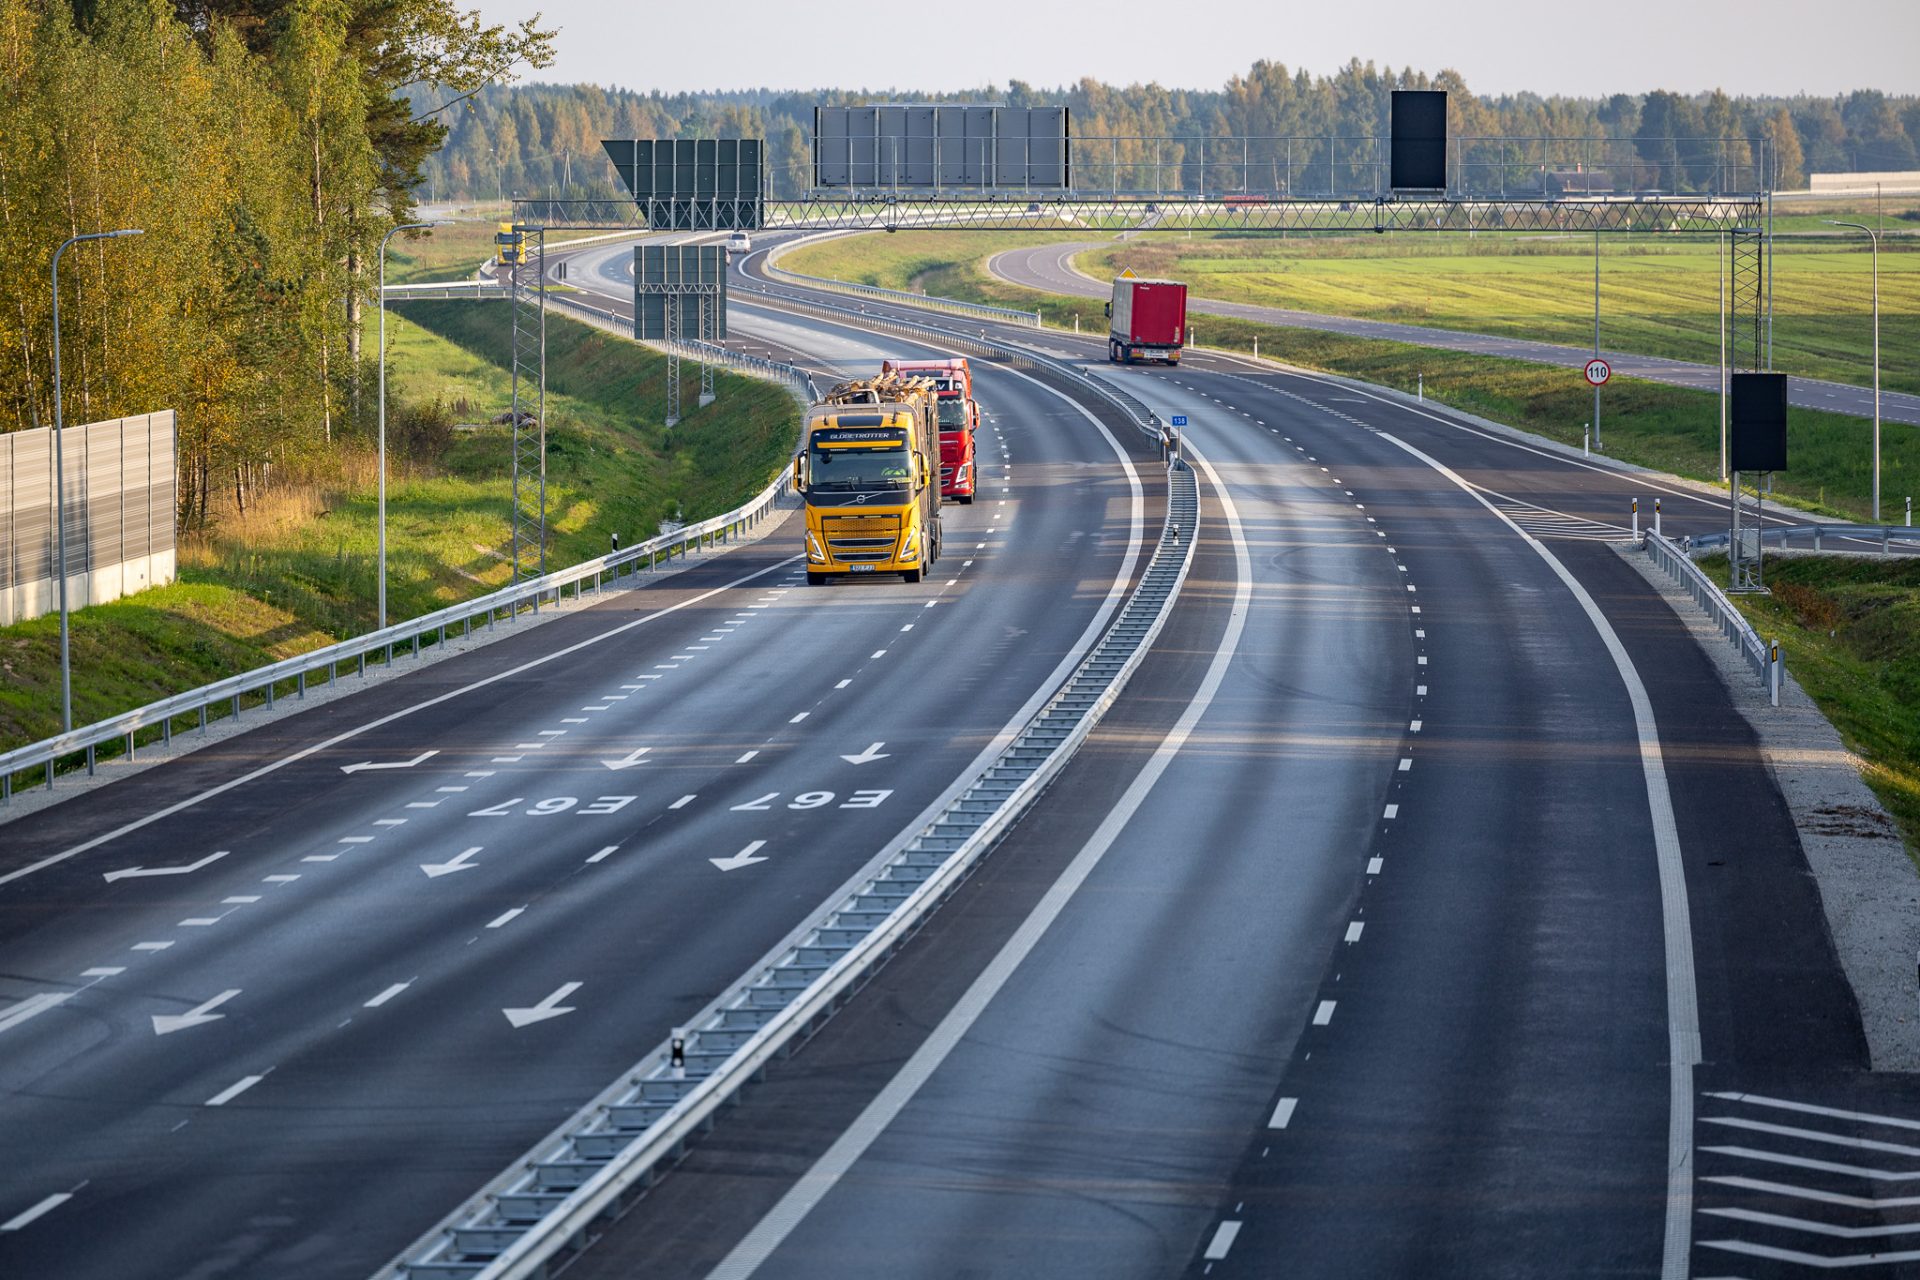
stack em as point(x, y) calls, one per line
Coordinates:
point(911, 575)
point(1113, 352)
point(815, 579)
point(966, 499)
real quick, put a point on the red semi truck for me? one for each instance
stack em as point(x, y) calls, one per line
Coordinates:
point(959, 418)
point(1147, 320)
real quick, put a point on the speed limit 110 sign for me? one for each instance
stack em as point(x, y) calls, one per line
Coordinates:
point(1598, 371)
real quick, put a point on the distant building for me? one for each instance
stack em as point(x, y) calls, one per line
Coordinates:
point(1853, 184)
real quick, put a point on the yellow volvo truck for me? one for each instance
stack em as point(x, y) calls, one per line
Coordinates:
point(868, 468)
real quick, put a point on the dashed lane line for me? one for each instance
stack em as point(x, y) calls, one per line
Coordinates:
point(252, 775)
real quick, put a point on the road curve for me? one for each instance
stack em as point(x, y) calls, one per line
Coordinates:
point(422, 968)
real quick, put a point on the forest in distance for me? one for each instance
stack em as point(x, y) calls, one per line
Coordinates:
point(544, 139)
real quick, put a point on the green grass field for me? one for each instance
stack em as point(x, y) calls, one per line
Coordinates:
point(1658, 294)
point(1850, 632)
point(450, 251)
point(299, 570)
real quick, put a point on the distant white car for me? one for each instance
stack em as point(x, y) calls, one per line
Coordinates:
point(739, 242)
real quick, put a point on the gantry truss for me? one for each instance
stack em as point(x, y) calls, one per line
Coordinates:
point(1068, 213)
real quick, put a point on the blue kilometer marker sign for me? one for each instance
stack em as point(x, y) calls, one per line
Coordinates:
point(1179, 419)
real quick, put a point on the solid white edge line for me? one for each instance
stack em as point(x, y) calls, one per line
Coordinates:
point(759, 1244)
point(348, 734)
point(1683, 1001)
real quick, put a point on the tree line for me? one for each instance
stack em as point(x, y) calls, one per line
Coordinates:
point(544, 139)
point(264, 147)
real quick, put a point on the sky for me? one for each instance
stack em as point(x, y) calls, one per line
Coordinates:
point(1623, 46)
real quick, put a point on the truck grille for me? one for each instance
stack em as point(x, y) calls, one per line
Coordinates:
point(846, 549)
point(855, 538)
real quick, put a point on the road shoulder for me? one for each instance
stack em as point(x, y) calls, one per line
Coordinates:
point(1867, 885)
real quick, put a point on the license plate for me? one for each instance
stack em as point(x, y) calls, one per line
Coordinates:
point(859, 568)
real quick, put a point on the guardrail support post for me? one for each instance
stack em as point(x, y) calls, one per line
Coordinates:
point(89, 760)
point(203, 717)
point(1816, 537)
point(301, 686)
point(269, 695)
point(236, 706)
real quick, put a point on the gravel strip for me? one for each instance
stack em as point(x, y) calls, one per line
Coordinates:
point(1867, 883)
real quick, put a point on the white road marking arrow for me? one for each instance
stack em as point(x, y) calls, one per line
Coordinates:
point(458, 862)
point(744, 858)
point(128, 873)
point(548, 1008)
point(868, 756)
point(389, 764)
point(200, 1013)
point(627, 761)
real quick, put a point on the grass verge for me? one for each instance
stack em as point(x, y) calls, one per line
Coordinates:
point(299, 569)
point(1850, 632)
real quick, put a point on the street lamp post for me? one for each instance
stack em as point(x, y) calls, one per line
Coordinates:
point(60, 478)
point(410, 226)
point(1873, 238)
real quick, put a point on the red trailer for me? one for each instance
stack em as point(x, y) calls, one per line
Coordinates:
point(959, 418)
point(1147, 320)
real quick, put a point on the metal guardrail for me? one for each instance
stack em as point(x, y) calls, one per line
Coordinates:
point(1762, 656)
point(472, 288)
point(541, 1212)
point(1892, 539)
point(953, 306)
point(155, 721)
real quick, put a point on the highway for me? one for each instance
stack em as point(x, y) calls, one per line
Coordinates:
point(1397, 921)
point(423, 968)
point(1050, 268)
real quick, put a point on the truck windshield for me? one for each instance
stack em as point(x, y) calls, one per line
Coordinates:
point(847, 470)
point(953, 413)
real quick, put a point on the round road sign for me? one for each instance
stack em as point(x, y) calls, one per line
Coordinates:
point(1598, 371)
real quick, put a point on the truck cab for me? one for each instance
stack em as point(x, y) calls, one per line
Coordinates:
point(959, 418)
point(866, 471)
